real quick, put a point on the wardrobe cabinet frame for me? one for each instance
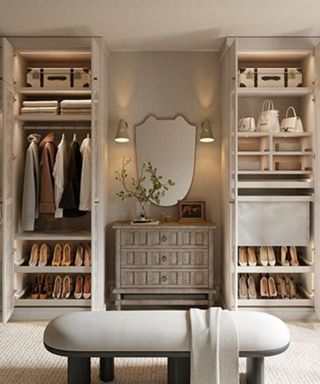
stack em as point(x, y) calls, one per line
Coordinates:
point(233, 191)
point(98, 133)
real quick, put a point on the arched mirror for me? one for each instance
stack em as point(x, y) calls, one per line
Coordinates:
point(169, 145)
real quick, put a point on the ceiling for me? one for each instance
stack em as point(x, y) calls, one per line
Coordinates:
point(160, 25)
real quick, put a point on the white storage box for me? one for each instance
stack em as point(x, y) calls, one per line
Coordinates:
point(270, 77)
point(274, 223)
point(57, 78)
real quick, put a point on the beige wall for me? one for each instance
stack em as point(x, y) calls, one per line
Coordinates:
point(166, 84)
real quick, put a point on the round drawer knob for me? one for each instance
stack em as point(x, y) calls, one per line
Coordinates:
point(164, 258)
point(164, 238)
point(164, 278)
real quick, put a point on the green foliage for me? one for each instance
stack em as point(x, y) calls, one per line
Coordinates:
point(135, 187)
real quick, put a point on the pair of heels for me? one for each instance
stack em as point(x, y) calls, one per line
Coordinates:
point(247, 256)
point(286, 287)
point(62, 287)
point(41, 287)
point(268, 288)
point(83, 287)
point(266, 256)
point(288, 256)
point(63, 255)
point(247, 288)
point(83, 255)
point(39, 256)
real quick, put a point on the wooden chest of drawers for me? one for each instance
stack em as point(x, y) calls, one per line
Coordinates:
point(166, 264)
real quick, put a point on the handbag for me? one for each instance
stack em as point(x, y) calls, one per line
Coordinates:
point(247, 124)
point(291, 124)
point(269, 118)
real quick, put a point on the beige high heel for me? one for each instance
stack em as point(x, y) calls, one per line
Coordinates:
point(243, 260)
point(87, 287)
point(57, 255)
point(243, 289)
point(291, 287)
point(78, 291)
point(294, 262)
point(264, 290)
point(66, 287)
point(34, 254)
point(78, 261)
point(281, 287)
point(252, 260)
point(271, 256)
point(272, 287)
point(252, 293)
point(263, 256)
point(57, 289)
point(44, 255)
point(67, 255)
point(283, 258)
point(87, 255)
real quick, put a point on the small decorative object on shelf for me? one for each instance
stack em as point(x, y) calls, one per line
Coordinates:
point(191, 211)
point(148, 187)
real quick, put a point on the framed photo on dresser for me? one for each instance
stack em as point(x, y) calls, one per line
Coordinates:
point(191, 211)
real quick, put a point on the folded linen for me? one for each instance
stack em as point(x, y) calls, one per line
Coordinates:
point(85, 103)
point(39, 110)
point(75, 110)
point(40, 103)
point(214, 347)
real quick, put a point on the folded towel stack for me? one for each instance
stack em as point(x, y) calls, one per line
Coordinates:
point(82, 107)
point(39, 107)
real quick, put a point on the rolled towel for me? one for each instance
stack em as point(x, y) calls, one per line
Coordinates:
point(85, 103)
point(40, 103)
point(39, 110)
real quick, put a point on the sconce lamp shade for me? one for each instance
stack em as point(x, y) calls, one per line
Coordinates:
point(206, 135)
point(122, 135)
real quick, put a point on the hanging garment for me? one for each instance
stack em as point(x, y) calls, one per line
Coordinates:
point(31, 184)
point(60, 171)
point(48, 151)
point(85, 186)
point(71, 194)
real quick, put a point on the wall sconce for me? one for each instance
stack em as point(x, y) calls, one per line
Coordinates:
point(122, 135)
point(206, 135)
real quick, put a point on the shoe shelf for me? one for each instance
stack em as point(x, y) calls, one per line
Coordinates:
point(54, 235)
point(27, 301)
point(261, 172)
point(276, 269)
point(275, 184)
point(53, 92)
point(51, 269)
point(298, 302)
point(53, 118)
point(274, 92)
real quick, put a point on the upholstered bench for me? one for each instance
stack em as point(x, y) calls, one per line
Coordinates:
point(106, 335)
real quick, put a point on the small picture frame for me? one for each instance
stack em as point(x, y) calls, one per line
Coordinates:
point(191, 211)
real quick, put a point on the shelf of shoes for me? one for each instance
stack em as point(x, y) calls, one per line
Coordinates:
point(27, 301)
point(300, 301)
point(51, 269)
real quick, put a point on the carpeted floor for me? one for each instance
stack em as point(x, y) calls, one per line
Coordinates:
point(23, 360)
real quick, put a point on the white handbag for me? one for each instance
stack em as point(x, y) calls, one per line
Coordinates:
point(247, 124)
point(268, 118)
point(291, 124)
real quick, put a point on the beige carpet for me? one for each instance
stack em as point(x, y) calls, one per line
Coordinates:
point(23, 360)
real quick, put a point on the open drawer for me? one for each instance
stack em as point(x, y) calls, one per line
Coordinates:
point(269, 222)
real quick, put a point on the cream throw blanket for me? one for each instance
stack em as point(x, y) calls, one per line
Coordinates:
point(214, 347)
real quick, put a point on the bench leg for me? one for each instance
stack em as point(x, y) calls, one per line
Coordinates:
point(78, 370)
point(255, 370)
point(178, 370)
point(106, 369)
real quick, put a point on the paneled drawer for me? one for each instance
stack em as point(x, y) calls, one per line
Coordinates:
point(160, 278)
point(164, 238)
point(148, 258)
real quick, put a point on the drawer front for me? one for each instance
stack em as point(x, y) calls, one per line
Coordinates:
point(184, 258)
point(160, 278)
point(164, 238)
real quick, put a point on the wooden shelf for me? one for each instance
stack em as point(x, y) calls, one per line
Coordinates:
point(51, 269)
point(292, 153)
point(271, 184)
point(54, 235)
point(53, 118)
point(28, 302)
point(280, 198)
point(276, 303)
point(53, 92)
point(253, 153)
point(275, 269)
point(274, 134)
point(274, 172)
point(274, 92)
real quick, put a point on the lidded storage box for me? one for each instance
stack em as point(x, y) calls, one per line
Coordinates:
point(270, 77)
point(54, 78)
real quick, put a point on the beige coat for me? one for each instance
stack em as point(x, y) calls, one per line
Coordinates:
point(85, 185)
point(47, 158)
